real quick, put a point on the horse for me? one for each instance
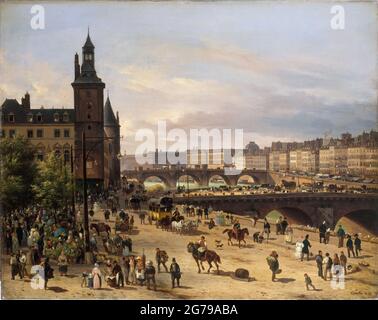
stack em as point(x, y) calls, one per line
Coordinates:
point(100, 227)
point(177, 226)
point(165, 223)
point(209, 256)
point(239, 236)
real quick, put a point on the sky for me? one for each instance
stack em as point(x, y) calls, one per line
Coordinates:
point(277, 70)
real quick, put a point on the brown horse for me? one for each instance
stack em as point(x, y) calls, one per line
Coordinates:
point(208, 255)
point(164, 223)
point(239, 235)
point(100, 227)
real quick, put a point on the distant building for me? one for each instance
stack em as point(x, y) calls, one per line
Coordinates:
point(333, 160)
point(274, 161)
point(363, 161)
point(284, 161)
point(257, 161)
point(295, 160)
point(309, 161)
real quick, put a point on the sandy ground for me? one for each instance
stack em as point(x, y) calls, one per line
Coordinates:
point(290, 284)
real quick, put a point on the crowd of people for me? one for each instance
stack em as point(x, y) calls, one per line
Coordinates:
point(35, 236)
point(131, 271)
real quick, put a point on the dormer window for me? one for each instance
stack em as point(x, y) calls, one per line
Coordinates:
point(11, 117)
point(30, 117)
point(39, 117)
point(65, 117)
point(56, 117)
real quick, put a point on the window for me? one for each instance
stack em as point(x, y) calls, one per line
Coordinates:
point(89, 127)
point(66, 133)
point(89, 116)
point(89, 105)
point(2, 133)
point(11, 117)
point(56, 117)
point(40, 156)
point(89, 164)
point(30, 133)
point(12, 133)
point(57, 153)
point(39, 117)
point(30, 117)
point(66, 156)
point(57, 133)
point(65, 117)
point(39, 133)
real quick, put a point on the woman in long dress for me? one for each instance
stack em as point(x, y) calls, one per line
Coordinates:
point(96, 272)
point(289, 234)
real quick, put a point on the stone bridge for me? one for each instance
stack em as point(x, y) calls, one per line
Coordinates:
point(202, 177)
point(299, 208)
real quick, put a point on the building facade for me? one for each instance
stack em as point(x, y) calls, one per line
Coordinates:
point(333, 160)
point(363, 161)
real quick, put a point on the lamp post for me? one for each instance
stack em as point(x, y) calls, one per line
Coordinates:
point(88, 253)
point(85, 155)
point(72, 182)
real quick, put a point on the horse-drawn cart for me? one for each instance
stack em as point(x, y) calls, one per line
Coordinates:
point(160, 210)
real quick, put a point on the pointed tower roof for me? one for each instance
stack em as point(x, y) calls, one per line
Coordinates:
point(109, 117)
point(88, 43)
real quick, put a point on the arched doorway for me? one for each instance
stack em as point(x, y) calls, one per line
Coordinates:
point(360, 221)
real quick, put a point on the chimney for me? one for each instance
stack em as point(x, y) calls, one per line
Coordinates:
point(117, 117)
point(25, 101)
point(77, 66)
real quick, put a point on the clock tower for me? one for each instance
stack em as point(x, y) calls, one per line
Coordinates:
point(89, 117)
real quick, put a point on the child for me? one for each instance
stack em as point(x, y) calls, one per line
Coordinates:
point(308, 282)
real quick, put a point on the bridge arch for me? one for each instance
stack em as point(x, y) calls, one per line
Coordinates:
point(357, 220)
point(221, 176)
point(162, 178)
point(182, 178)
point(294, 215)
point(245, 177)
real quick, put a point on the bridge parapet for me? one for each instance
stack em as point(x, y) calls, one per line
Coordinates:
point(303, 208)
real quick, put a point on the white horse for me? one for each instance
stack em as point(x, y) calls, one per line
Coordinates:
point(177, 226)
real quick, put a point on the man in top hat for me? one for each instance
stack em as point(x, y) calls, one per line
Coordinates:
point(174, 269)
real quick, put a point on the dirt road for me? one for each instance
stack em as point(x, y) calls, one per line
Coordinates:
point(290, 284)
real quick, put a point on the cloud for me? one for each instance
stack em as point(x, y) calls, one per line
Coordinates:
point(228, 71)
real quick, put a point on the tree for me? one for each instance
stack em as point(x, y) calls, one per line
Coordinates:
point(18, 171)
point(53, 185)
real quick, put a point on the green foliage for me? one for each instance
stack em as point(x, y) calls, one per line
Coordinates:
point(53, 184)
point(18, 171)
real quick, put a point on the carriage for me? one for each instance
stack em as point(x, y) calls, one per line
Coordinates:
point(160, 208)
